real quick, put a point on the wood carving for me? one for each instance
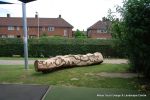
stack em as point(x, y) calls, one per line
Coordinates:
point(68, 61)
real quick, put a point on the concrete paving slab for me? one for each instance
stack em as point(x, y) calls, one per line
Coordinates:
point(22, 92)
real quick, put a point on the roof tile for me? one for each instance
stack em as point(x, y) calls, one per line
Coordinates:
point(17, 21)
point(100, 25)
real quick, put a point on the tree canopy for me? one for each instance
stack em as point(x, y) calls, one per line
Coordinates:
point(133, 32)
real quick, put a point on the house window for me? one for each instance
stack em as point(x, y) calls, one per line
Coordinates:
point(11, 28)
point(104, 31)
point(101, 31)
point(28, 28)
point(3, 36)
point(17, 28)
point(50, 28)
point(11, 36)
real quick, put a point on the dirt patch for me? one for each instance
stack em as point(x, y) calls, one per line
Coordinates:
point(116, 61)
point(114, 75)
point(118, 75)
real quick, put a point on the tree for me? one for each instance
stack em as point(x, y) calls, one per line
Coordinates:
point(79, 34)
point(134, 31)
point(105, 19)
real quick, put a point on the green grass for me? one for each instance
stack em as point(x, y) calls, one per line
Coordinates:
point(86, 76)
point(82, 93)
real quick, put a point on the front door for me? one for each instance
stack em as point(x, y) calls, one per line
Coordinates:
point(65, 33)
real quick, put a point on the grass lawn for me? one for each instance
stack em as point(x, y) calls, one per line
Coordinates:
point(82, 93)
point(78, 77)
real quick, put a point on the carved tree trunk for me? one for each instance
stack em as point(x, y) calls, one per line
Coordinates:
point(68, 61)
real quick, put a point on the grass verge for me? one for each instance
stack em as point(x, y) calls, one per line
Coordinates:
point(80, 76)
point(82, 93)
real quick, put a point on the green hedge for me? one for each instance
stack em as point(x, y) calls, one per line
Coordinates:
point(46, 50)
point(10, 47)
point(46, 47)
point(8, 50)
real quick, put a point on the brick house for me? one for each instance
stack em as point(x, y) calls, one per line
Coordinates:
point(99, 30)
point(11, 27)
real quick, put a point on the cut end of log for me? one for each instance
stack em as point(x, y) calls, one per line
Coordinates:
point(36, 66)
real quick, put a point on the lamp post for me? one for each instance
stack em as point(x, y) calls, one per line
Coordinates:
point(25, 31)
point(38, 24)
point(25, 35)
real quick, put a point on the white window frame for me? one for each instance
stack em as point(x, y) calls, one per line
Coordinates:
point(51, 28)
point(101, 31)
point(11, 28)
point(10, 36)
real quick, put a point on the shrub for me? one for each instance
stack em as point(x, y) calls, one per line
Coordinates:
point(10, 47)
point(133, 32)
point(48, 46)
point(79, 34)
point(44, 34)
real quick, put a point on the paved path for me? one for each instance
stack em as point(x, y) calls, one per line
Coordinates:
point(15, 62)
point(40, 92)
point(116, 61)
point(21, 62)
point(22, 92)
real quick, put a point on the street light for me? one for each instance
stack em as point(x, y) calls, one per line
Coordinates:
point(2, 2)
point(25, 31)
point(26, 1)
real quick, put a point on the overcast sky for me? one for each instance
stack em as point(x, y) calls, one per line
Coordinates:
point(79, 13)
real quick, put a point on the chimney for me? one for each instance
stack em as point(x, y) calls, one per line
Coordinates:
point(8, 15)
point(36, 15)
point(59, 16)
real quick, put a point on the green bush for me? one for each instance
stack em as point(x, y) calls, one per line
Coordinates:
point(10, 47)
point(46, 50)
point(44, 34)
point(79, 34)
point(53, 46)
point(133, 32)
point(46, 46)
